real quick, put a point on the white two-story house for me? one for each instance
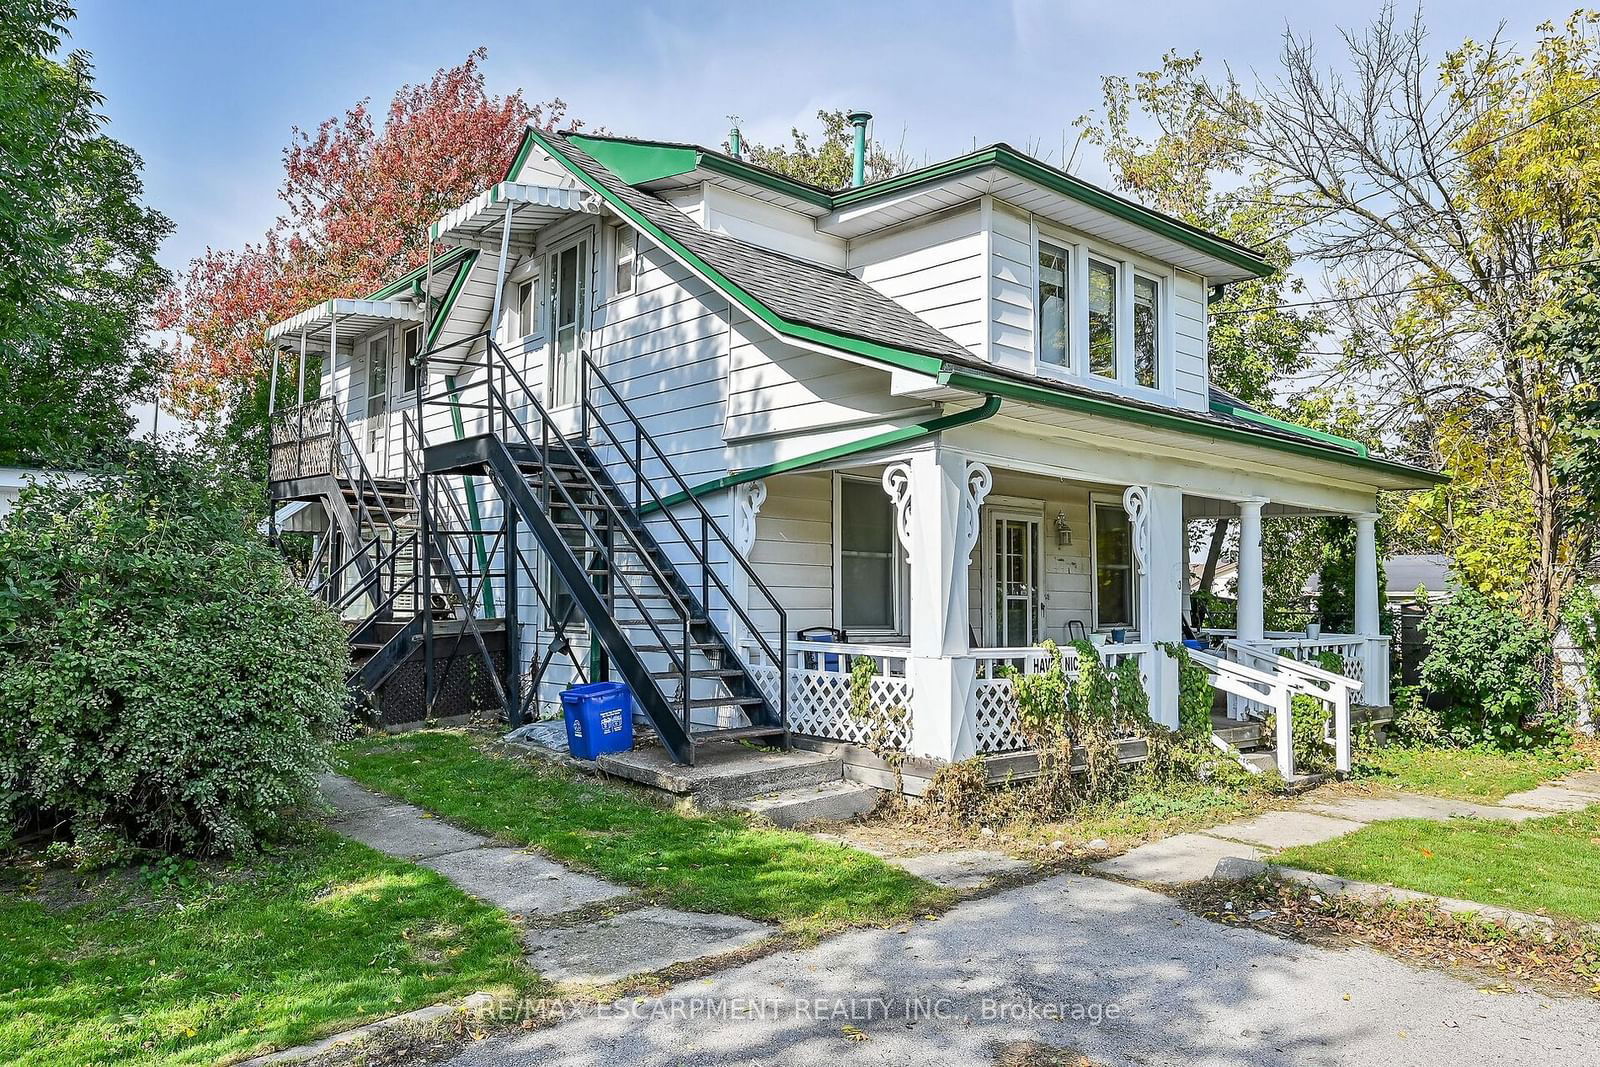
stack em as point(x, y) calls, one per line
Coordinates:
point(657, 412)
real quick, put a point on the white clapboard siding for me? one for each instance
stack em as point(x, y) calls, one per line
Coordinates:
point(1011, 341)
point(793, 551)
point(934, 269)
point(769, 226)
point(1189, 343)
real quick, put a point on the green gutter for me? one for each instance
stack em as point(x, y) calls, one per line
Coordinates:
point(889, 438)
point(899, 357)
point(1163, 420)
point(1225, 408)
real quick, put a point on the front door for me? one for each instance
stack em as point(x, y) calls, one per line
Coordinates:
point(1013, 614)
point(568, 316)
point(374, 428)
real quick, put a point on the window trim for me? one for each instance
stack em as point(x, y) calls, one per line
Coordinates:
point(615, 261)
point(1128, 264)
point(405, 364)
point(899, 574)
point(1096, 501)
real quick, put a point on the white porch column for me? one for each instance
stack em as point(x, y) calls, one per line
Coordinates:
point(1251, 625)
point(1161, 552)
point(937, 494)
point(1375, 689)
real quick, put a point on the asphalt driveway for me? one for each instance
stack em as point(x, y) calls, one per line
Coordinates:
point(1121, 974)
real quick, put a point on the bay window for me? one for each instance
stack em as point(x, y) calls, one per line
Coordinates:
point(1146, 331)
point(1102, 319)
point(1053, 304)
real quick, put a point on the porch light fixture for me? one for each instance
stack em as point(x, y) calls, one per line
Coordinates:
point(1063, 530)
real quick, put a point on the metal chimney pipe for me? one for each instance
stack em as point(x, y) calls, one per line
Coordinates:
point(858, 173)
point(735, 143)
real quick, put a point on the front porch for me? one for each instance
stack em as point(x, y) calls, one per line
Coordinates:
point(942, 568)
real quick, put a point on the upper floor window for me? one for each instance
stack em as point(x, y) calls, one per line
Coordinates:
point(410, 358)
point(625, 257)
point(1102, 318)
point(1100, 315)
point(1053, 304)
point(1146, 331)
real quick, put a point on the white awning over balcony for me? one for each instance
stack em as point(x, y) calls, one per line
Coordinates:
point(353, 318)
point(479, 222)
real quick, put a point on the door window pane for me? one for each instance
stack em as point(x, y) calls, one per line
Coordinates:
point(1146, 331)
point(1053, 318)
point(868, 569)
point(377, 376)
point(569, 279)
point(1113, 566)
point(1102, 318)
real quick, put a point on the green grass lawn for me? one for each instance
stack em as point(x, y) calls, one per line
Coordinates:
point(1549, 865)
point(227, 962)
point(711, 863)
point(1468, 773)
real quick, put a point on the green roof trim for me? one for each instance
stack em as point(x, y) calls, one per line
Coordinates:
point(886, 439)
point(1316, 445)
point(1170, 420)
point(444, 262)
point(449, 302)
point(638, 162)
point(1009, 159)
point(899, 357)
point(1251, 415)
point(651, 161)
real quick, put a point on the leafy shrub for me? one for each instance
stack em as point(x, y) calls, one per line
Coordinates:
point(163, 682)
point(1581, 614)
point(1415, 723)
point(1486, 671)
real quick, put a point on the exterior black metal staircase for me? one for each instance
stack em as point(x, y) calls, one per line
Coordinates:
point(651, 590)
point(367, 566)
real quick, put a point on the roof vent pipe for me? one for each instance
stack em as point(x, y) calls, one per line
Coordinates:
point(858, 172)
point(735, 143)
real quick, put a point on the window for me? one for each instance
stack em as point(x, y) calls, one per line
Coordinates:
point(411, 349)
point(869, 570)
point(624, 243)
point(1053, 304)
point(1102, 318)
point(1113, 566)
point(527, 308)
point(1146, 331)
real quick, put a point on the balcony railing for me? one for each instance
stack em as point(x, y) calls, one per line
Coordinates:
point(301, 441)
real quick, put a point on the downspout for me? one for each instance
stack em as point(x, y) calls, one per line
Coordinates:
point(888, 439)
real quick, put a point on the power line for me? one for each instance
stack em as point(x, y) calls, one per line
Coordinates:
point(1400, 292)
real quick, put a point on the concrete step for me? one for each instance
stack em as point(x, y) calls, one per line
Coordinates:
point(1263, 761)
point(827, 802)
point(723, 772)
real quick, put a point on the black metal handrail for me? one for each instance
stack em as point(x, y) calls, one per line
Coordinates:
point(708, 574)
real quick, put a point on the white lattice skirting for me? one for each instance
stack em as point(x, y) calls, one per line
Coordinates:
point(819, 706)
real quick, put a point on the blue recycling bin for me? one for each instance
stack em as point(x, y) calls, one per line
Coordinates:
point(599, 718)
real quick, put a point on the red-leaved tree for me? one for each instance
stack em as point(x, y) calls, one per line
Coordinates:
point(358, 202)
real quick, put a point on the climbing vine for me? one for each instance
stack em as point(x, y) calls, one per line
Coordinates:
point(884, 724)
point(1195, 695)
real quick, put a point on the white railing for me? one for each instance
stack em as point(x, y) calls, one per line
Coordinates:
point(1365, 658)
point(994, 711)
point(821, 703)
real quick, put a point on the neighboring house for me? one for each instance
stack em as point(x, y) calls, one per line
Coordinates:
point(948, 415)
point(13, 480)
point(1402, 575)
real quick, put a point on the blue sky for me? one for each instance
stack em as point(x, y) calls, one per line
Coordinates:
point(207, 92)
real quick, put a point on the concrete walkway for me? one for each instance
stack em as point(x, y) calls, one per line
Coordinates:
point(1119, 973)
point(1191, 857)
point(577, 928)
